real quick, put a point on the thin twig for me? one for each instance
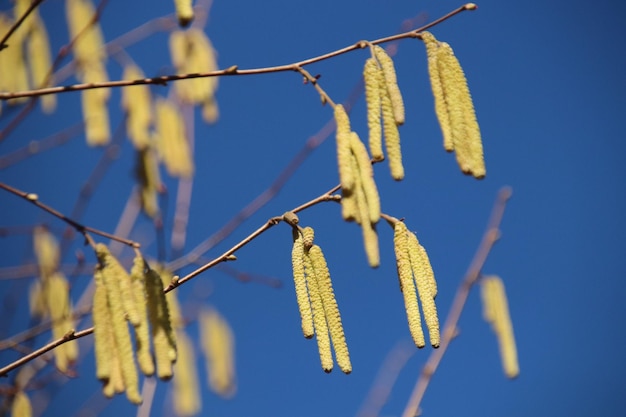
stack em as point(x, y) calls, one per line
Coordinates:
point(84, 230)
point(490, 237)
point(226, 256)
point(232, 70)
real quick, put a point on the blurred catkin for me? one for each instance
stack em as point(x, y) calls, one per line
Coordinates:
point(496, 312)
point(218, 345)
point(21, 406)
point(172, 142)
point(137, 103)
point(187, 400)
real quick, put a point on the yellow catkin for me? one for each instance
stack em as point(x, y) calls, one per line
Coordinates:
point(464, 127)
point(331, 310)
point(172, 143)
point(102, 328)
point(319, 317)
point(349, 208)
point(391, 84)
point(218, 345)
point(407, 284)
point(94, 106)
point(163, 337)
point(137, 103)
point(40, 63)
point(46, 250)
point(184, 12)
point(56, 293)
point(192, 52)
point(308, 235)
point(21, 406)
point(496, 312)
point(187, 400)
point(441, 108)
point(372, 99)
point(14, 70)
point(115, 383)
point(302, 295)
point(366, 174)
point(370, 237)
point(426, 286)
point(111, 279)
point(346, 176)
point(147, 173)
point(142, 330)
point(392, 136)
point(88, 47)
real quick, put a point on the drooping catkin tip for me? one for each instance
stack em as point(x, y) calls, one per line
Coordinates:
point(471, 6)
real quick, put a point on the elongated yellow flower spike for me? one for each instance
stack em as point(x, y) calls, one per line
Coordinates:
point(319, 317)
point(147, 173)
point(102, 328)
point(392, 136)
point(88, 47)
point(46, 250)
point(391, 84)
point(372, 99)
point(331, 310)
point(172, 143)
point(57, 299)
point(496, 312)
point(163, 337)
point(137, 103)
point(366, 175)
point(142, 330)
point(21, 406)
point(111, 271)
point(346, 176)
point(441, 108)
point(370, 238)
point(40, 63)
point(302, 295)
point(184, 12)
point(407, 284)
point(187, 400)
point(218, 344)
point(426, 286)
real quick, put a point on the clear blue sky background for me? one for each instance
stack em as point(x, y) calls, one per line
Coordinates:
point(549, 88)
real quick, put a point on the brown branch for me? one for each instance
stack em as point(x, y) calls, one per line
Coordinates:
point(84, 230)
point(233, 70)
point(18, 23)
point(226, 256)
point(490, 237)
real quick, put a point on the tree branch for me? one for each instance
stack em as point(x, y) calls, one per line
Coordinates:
point(233, 70)
point(492, 233)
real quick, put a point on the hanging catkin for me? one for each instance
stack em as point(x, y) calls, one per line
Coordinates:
point(302, 295)
point(218, 345)
point(372, 99)
point(138, 106)
point(454, 107)
point(407, 284)
point(496, 312)
point(391, 84)
point(187, 400)
point(184, 12)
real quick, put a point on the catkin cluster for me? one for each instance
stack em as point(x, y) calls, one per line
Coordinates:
point(316, 300)
point(192, 52)
point(454, 107)
point(26, 62)
point(384, 100)
point(90, 57)
point(360, 201)
point(414, 269)
point(496, 313)
point(50, 297)
point(137, 298)
point(218, 346)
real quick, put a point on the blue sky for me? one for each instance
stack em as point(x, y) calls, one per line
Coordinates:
point(548, 86)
